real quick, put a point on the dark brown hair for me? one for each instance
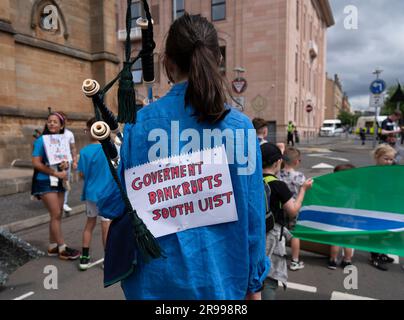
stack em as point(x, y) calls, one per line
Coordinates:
point(343, 167)
point(90, 122)
point(193, 46)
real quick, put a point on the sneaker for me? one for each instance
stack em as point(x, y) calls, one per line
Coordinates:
point(296, 265)
point(345, 264)
point(378, 264)
point(53, 252)
point(386, 259)
point(332, 265)
point(84, 263)
point(66, 208)
point(69, 254)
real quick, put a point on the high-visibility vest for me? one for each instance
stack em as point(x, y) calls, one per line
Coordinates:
point(290, 127)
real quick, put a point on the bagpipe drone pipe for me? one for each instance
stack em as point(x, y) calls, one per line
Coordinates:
point(129, 240)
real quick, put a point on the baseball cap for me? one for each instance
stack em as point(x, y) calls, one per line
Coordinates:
point(270, 154)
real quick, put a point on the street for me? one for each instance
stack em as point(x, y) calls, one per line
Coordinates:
point(314, 282)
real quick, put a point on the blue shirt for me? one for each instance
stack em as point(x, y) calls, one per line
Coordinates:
point(224, 261)
point(39, 151)
point(94, 166)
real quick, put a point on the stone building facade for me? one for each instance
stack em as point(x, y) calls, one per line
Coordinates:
point(336, 99)
point(47, 49)
point(280, 44)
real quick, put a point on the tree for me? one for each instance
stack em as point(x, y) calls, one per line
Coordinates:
point(347, 118)
point(389, 107)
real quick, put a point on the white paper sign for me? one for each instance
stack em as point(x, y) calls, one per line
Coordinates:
point(57, 148)
point(183, 192)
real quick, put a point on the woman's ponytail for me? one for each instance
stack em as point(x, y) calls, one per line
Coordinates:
point(192, 44)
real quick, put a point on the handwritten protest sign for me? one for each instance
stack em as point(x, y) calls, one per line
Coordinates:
point(183, 192)
point(57, 148)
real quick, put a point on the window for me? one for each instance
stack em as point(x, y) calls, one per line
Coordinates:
point(218, 10)
point(178, 8)
point(137, 12)
point(137, 72)
point(223, 61)
point(297, 14)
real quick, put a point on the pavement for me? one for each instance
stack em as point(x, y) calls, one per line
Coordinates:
point(28, 219)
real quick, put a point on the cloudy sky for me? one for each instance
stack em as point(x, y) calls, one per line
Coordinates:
point(377, 42)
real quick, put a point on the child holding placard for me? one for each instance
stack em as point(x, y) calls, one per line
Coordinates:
point(47, 185)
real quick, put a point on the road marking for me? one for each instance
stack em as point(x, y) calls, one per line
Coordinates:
point(300, 287)
point(95, 263)
point(345, 296)
point(322, 166)
point(337, 159)
point(24, 296)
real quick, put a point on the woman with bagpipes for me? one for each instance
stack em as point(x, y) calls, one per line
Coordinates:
point(47, 185)
point(222, 261)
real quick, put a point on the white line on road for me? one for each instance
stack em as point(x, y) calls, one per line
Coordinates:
point(95, 263)
point(300, 287)
point(24, 296)
point(345, 296)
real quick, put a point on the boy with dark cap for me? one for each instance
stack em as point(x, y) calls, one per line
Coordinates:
point(281, 204)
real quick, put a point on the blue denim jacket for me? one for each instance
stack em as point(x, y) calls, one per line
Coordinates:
point(224, 261)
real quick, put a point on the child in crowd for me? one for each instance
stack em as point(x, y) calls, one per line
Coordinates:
point(294, 180)
point(282, 204)
point(384, 155)
point(93, 168)
point(334, 250)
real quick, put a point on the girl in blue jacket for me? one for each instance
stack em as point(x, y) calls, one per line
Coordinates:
point(222, 261)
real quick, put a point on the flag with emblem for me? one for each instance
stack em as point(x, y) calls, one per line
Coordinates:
point(361, 208)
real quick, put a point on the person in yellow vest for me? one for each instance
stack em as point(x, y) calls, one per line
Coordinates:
point(291, 129)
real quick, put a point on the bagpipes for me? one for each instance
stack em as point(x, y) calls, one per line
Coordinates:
point(128, 234)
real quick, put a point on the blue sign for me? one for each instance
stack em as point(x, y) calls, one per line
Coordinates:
point(378, 86)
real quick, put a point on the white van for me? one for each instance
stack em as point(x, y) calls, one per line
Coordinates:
point(331, 128)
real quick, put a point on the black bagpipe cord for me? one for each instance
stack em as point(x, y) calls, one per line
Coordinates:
point(146, 243)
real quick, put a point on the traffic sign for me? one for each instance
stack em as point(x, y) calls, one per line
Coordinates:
point(239, 85)
point(309, 108)
point(378, 86)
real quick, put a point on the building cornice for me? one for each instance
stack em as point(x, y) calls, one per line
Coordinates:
point(6, 26)
point(38, 114)
point(71, 52)
point(324, 10)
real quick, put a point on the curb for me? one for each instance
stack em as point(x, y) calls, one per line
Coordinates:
point(39, 220)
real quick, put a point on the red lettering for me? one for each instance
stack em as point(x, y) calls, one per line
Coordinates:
point(176, 191)
point(147, 180)
point(189, 207)
point(166, 174)
point(160, 195)
point(185, 188)
point(152, 197)
point(194, 186)
point(168, 193)
point(175, 172)
point(183, 172)
point(191, 169)
point(173, 212)
point(199, 165)
point(200, 183)
point(218, 200)
point(136, 186)
point(218, 180)
point(228, 195)
point(209, 180)
point(203, 209)
point(165, 213)
point(157, 214)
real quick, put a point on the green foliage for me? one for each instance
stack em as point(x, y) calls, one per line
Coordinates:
point(389, 107)
point(347, 118)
